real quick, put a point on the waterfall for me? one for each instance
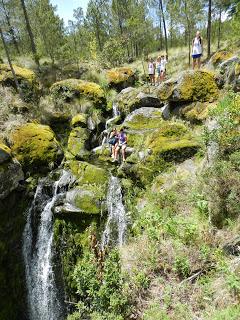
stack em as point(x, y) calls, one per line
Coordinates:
point(116, 225)
point(43, 301)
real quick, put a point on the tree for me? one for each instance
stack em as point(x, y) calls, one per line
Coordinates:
point(10, 64)
point(30, 33)
point(209, 28)
point(9, 24)
point(164, 25)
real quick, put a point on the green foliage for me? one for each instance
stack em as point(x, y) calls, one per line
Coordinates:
point(182, 266)
point(100, 288)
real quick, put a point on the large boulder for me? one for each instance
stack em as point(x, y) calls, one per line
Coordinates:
point(120, 78)
point(155, 148)
point(219, 57)
point(72, 89)
point(190, 86)
point(90, 191)
point(228, 74)
point(10, 172)
point(78, 144)
point(26, 78)
point(36, 147)
point(144, 118)
point(130, 99)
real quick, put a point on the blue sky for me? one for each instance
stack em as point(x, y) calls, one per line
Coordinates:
point(65, 7)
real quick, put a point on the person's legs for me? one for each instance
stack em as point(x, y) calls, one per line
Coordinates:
point(116, 152)
point(199, 62)
point(124, 152)
point(193, 63)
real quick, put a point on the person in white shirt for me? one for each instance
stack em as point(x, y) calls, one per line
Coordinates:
point(151, 71)
point(158, 68)
point(163, 67)
point(197, 50)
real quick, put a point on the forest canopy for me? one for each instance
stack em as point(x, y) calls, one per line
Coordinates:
point(115, 31)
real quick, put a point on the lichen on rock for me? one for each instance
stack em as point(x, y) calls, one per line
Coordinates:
point(27, 80)
point(77, 144)
point(190, 86)
point(71, 89)
point(36, 147)
point(121, 78)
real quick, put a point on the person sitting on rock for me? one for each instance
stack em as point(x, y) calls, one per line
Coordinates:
point(113, 139)
point(121, 144)
point(151, 71)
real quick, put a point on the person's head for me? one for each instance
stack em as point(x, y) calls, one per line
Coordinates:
point(162, 56)
point(158, 59)
point(198, 35)
point(114, 129)
point(151, 60)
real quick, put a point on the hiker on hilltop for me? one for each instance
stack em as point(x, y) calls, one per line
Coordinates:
point(197, 49)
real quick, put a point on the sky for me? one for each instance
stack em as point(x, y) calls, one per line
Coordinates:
point(65, 7)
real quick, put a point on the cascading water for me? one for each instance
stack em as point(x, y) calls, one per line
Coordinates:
point(116, 225)
point(43, 300)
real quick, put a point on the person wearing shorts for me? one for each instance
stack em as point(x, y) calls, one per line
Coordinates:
point(197, 48)
point(121, 144)
point(163, 67)
point(158, 68)
point(151, 71)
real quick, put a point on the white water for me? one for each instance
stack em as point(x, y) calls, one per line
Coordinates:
point(43, 302)
point(116, 225)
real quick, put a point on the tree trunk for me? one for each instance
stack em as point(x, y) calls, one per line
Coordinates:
point(160, 29)
point(188, 33)
point(219, 26)
point(11, 66)
point(30, 33)
point(209, 27)
point(164, 26)
point(10, 27)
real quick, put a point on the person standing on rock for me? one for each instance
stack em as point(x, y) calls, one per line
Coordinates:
point(163, 64)
point(113, 139)
point(121, 144)
point(197, 49)
point(158, 68)
point(151, 71)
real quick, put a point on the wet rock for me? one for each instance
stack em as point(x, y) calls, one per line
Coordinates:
point(10, 172)
point(144, 118)
point(79, 120)
point(78, 143)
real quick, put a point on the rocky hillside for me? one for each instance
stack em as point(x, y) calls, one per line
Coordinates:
point(179, 187)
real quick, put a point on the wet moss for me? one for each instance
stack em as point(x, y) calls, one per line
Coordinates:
point(77, 144)
point(80, 120)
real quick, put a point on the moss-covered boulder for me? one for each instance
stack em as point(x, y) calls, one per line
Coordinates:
point(79, 120)
point(120, 78)
point(10, 172)
point(89, 193)
point(228, 74)
point(195, 112)
point(157, 148)
point(220, 56)
point(78, 144)
point(190, 86)
point(26, 78)
point(36, 147)
point(130, 99)
point(72, 89)
point(143, 119)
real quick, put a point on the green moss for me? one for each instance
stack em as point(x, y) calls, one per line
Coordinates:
point(141, 122)
point(77, 143)
point(89, 201)
point(5, 153)
point(71, 89)
point(237, 69)
point(119, 75)
point(80, 120)
point(26, 78)
point(196, 85)
point(87, 173)
point(35, 146)
point(196, 112)
point(220, 56)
